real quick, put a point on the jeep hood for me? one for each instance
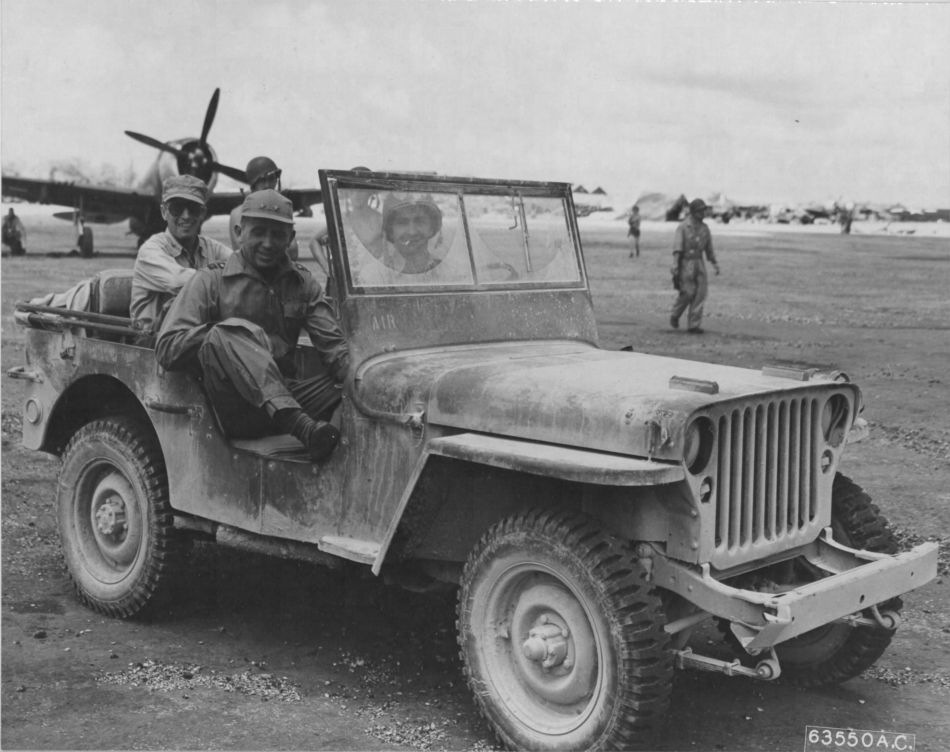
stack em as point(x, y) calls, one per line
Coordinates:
point(566, 393)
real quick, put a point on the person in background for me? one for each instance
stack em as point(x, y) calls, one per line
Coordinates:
point(633, 221)
point(691, 243)
point(167, 260)
point(14, 233)
point(237, 324)
point(262, 173)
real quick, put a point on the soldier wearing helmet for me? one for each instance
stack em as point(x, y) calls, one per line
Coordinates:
point(410, 221)
point(262, 173)
point(691, 243)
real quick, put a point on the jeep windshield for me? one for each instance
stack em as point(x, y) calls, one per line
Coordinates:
point(427, 234)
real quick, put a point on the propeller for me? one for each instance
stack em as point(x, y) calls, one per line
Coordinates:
point(231, 172)
point(194, 157)
point(209, 116)
point(149, 141)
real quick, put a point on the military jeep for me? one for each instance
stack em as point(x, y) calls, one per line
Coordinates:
point(592, 507)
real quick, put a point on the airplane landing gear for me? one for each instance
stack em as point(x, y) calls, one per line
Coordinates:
point(84, 243)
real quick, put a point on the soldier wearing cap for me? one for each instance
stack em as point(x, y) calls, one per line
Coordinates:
point(691, 243)
point(169, 259)
point(237, 324)
point(261, 173)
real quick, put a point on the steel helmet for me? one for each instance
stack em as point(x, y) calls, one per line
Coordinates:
point(260, 168)
point(396, 201)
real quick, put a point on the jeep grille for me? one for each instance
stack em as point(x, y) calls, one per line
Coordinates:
point(768, 475)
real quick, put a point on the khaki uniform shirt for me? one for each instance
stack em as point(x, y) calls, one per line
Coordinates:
point(162, 267)
point(292, 302)
point(693, 240)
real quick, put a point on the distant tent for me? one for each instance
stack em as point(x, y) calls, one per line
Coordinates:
point(580, 189)
point(662, 207)
point(720, 203)
point(599, 191)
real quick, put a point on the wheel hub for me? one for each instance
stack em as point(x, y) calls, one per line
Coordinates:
point(547, 644)
point(114, 522)
point(553, 651)
point(111, 517)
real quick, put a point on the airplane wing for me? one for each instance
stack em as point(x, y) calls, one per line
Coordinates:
point(304, 198)
point(223, 203)
point(99, 204)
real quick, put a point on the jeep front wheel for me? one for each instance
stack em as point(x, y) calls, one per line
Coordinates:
point(561, 635)
point(837, 652)
point(115, 521)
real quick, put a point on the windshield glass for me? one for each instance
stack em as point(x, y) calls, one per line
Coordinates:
point(521, 239)
point(428, 240)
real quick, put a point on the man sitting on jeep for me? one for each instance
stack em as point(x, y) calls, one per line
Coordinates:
point(168, 259)
point(237, 323)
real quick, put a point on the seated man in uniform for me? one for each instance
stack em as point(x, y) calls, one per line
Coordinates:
point(237, 325)
point(169, 259)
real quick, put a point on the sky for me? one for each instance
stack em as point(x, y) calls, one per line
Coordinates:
point(767, 102)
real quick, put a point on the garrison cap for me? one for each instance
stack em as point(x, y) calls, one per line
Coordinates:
point(187, 187)
point(268, 204)
point(696, 206)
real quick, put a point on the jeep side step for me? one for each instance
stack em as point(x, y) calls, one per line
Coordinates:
point(354, 549)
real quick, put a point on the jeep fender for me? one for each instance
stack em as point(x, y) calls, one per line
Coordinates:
point(549, 461)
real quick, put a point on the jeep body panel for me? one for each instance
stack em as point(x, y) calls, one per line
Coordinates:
point(563, 393)
point(258, 494)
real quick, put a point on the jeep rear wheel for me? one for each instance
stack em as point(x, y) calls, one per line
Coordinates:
point(837, 652)
point(115, 521)
point(561, 635)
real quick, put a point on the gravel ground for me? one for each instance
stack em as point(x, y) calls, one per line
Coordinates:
point(157, 676)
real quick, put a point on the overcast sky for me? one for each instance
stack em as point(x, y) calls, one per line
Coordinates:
point(767, 102)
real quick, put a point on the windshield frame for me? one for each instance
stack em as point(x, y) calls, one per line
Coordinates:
point(336, 182)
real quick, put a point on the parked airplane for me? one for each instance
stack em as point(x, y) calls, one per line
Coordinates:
point(97, 204)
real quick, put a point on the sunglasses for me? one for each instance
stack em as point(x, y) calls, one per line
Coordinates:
point(177, 206)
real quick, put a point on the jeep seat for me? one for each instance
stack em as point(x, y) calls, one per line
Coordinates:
point(111, 292)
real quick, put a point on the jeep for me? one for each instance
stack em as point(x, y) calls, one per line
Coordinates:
point(592, 507)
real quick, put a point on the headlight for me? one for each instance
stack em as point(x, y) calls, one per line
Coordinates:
point(697, 445)
point(834, 419)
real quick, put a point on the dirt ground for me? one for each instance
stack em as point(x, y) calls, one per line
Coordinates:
point(263, 654)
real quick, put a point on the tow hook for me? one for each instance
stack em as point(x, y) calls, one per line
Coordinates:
point(889, 620)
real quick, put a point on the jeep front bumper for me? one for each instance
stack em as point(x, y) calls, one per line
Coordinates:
point(856, 581)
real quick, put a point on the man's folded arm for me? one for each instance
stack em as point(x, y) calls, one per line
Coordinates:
point(186, 325)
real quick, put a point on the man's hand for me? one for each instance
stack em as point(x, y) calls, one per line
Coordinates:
point(716, 267)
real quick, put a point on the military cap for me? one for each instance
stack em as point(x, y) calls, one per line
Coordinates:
point(268, 204)
point(187, 187)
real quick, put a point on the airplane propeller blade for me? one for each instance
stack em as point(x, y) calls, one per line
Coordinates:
point(209, 116)
point(154, 142)
point(231, 172)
